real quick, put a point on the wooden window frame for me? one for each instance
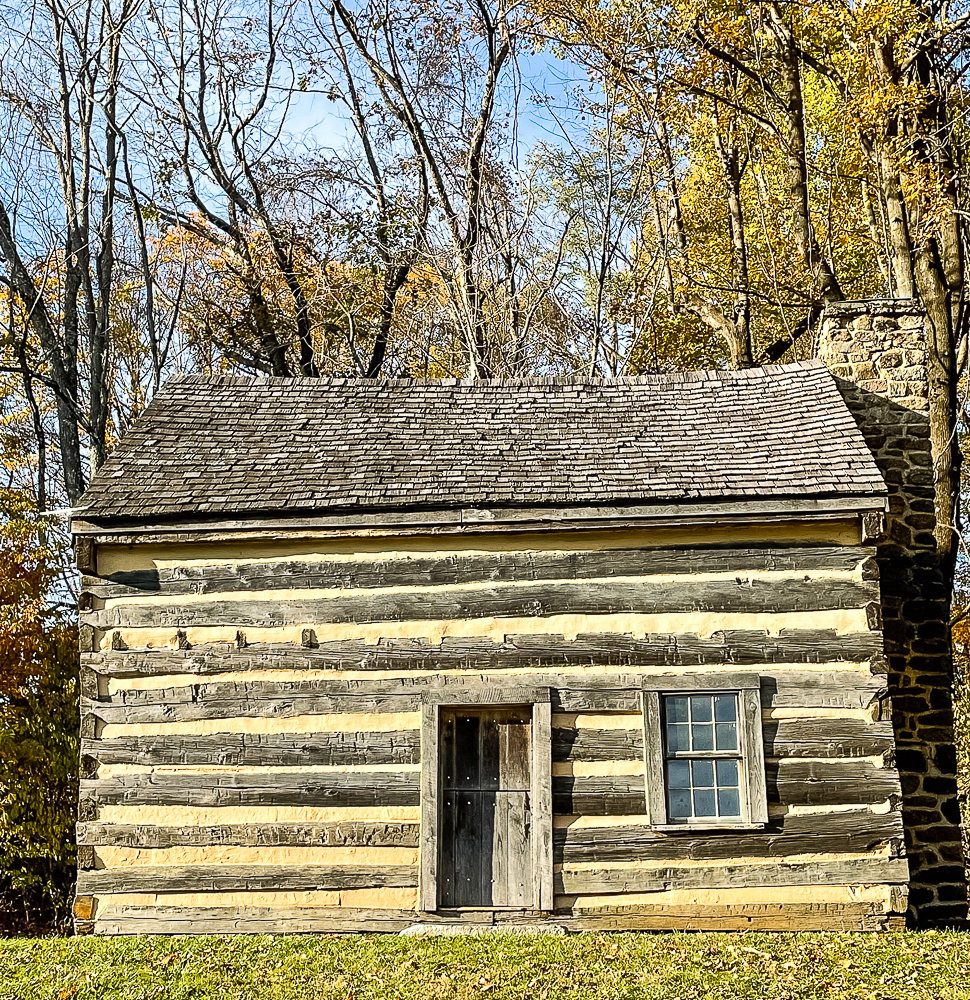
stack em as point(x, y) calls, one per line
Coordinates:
point(747, 687)
point(432, 703)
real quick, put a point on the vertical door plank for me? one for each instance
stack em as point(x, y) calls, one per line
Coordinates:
point(520, 889)
point(490, 753)
point(516, 766)
point(467, 750)
point(468, 848)
point(446, 869)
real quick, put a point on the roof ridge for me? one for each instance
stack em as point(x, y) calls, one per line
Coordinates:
point(669, 378)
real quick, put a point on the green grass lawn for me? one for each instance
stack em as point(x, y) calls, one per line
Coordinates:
point(931, 966)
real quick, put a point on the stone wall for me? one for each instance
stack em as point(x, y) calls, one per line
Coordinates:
point(877, 350)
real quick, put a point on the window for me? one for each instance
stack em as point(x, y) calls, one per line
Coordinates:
point(704, 751)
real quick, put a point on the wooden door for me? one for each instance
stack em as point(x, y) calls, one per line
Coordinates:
point(485, 831)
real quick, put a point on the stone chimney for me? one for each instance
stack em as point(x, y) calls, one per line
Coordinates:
point(877, 351)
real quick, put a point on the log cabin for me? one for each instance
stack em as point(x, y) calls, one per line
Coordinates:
point(359, 655)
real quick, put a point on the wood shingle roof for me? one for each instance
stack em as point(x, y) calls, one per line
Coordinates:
point(232, 447)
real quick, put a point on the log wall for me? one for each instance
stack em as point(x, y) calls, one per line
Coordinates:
point(251, 722)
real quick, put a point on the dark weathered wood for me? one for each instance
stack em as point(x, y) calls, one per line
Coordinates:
point(369, 788)
point(855, 832)
point(618, 795)
point(486, 777)
point(848, 782)
point(597, 744)
point(261, 749)
point(655, 769)
point(872, 871)
point(324, 695)
point(732, 647)
point(343, 834)
point(827, 738)
point(741, 595)
point(398, 522)
point(163, 919)
point(86, 555)
point(604, 693)
point(498, 567)
point(542, 846)
point(244, 878)
point(769, 917)
point(755, 809)
point(352, 920)
point(431, 806)
point(762, 917)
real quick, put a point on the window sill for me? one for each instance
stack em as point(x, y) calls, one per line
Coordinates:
point(704, 827)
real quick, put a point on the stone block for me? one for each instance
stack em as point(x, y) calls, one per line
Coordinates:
point(909, 760)
point(891, 359)
point(952, 892)
point(863, 371)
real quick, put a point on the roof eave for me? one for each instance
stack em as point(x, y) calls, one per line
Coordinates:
point(486, 518)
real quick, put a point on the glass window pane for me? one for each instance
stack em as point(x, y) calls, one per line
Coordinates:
point(680, 803)
point(701, 706)
point(728, 802)
point(677, 709)
point(727, 773)
point(727, 735)
point(702, 772)
point(725, 708)
point(702, 737)
point(678, 773)
point(704, 802)
point(678, 738)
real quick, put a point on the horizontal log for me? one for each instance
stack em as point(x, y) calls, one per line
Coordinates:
point(335, 749)
point(615, 693)
point(460, 569)
point(181, 920)
point(597, 744)
point(845, 782)
point(867, 871)
point(369, 788)
point(325, 696)
point(755, 917)
point(344, 834)
point(729, 647)
point(858, 831)
point(126, 920)
point(614, 795)
point(244, 878)
point(601, 597)
point(827, 738)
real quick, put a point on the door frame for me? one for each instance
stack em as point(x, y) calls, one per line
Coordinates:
point(539, 700)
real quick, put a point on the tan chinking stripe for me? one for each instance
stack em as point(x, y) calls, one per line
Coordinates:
point(132, 857)
point(344, 723)
point(738, 897)
point(843, 621)
point(567, 769)
point(117, 770)
point(385, 899)
point(370, 857)
point(407, 898)
point(144, 815)
point(124, 558)
point(714, 864)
